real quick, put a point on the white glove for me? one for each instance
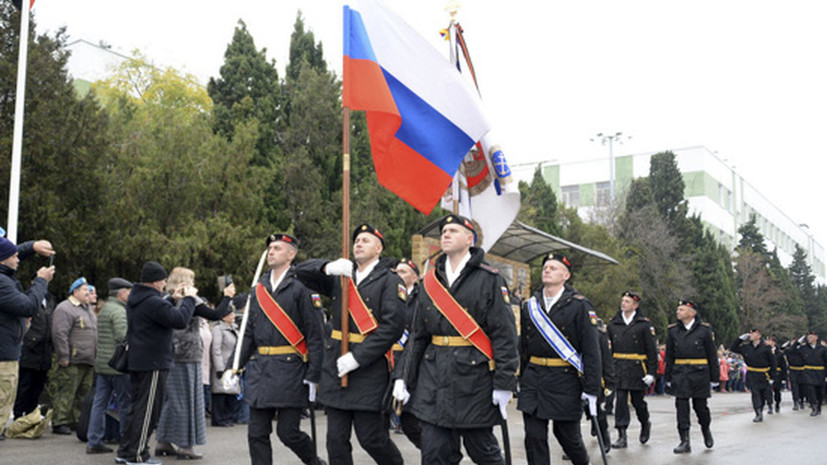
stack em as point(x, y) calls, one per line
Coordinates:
point(229, 380)
point(339, 267)
point(648, 380)
point(311, 390)
point(346, 363)
point(592, 403)
point(744, 336)
point(802, 339)
point(400, 392)
point(713, 385)
point(501, 398)
point(669, 385)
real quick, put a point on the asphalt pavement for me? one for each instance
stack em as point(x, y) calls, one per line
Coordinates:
point(788, 437)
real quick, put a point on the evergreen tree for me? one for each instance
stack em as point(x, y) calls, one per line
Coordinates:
point(752, 239)
point(538, 204)
point(639, 195)
point(714, 279)
point(801, 277)
point(667, 187)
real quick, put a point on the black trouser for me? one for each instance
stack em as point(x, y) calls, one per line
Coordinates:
point(795, 388)
point(442, 445)
point(760, 396)
point(142, 418)
point(776, 391)
point(223, 409)
point(622, 417)
point(701, 410)
point(815, 395)
point(567, 434)
point(412, 428)
point(371, 431)
point(287, 428)
point(30, 384)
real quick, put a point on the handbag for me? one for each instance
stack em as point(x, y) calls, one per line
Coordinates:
point(118, 361)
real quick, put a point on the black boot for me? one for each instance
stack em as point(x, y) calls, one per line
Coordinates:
point(645, 431)
point(683, 447)
point(795, 405)
point(709, 441)
point(777, 407)
point(621, 439)
point(814, 411)
point(759, 415)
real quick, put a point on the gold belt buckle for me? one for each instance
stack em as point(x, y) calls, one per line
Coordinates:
point(446, 340)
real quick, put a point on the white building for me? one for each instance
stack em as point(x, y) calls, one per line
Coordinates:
point(723, 199)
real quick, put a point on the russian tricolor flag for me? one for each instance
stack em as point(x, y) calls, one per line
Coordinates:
point(423, 117)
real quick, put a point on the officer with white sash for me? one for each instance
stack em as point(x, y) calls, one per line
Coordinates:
point(560, 364)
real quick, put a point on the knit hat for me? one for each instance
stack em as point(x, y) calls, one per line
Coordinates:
point(78, 282)
point(7, 248)
point(153, 271)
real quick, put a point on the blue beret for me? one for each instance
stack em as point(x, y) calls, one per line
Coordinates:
point(78, 282)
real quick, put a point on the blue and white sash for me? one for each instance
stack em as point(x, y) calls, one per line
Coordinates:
point(553, 336)
point(402, 340)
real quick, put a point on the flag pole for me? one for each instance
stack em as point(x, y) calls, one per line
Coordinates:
point(345, 307)
point(17, 142)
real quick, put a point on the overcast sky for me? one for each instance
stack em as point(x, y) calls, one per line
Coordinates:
point(745, 78)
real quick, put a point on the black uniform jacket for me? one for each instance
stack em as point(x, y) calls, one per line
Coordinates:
point(380, 291)
point(454, 384)
point(796, 363)
point(277, 381)
point(637, 338)
point(780, 365)
point(691, 379)
point(815, 361)
point(549, 392)
point(609, 378)
point(757, 357)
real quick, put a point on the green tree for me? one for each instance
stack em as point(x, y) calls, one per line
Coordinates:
point(714, 279)
point(64, 139)
point(538, 204)
point(667, 186)
point(752, 239)
point(801, 277)
point(304, 51)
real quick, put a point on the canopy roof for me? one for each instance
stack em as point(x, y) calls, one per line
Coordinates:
point(522, 243)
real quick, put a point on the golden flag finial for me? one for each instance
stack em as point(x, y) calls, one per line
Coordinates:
point(452, 7)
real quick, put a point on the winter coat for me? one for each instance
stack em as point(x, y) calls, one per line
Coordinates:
point(685, 352)
point(552, 392)
point(37, 343)
point(815, 361)
point(74, 332)
point(187, 344)
point(380, 291)
point(277, 381)
point(16, 306)
point(111, 331)
point(224, 338)
point(629, 342)
point(454, 383)
point(151, 319)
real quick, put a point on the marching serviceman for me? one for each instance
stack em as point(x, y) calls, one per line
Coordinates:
point(463, 355)
point(691, 371)
point(635, 362)
point(409, 272)
point(376, 306)
point(285, 335)
point(796, 365)
point(780, 373)
point(814, 356)
point(560, 364)
point(760, 369)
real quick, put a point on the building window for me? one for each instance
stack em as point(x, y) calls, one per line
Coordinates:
point(604, 194)
point(571, 195)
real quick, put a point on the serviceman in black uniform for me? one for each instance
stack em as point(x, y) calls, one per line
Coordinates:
point(635, 356)
point(814, 356)
point(760, 369)
point(780, 372)
point(796, 366)
point(552, 388)
point(464, 377)
point(377, 319)
point(691, 371)
point(409, 272)
point(283, 375)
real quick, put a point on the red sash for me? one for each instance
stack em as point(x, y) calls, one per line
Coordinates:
point(281, 320)
point(362, 316)
point(456, 315)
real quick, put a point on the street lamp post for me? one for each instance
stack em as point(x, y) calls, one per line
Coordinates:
point(611, 139)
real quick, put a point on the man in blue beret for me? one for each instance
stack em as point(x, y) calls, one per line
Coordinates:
point(74, 336)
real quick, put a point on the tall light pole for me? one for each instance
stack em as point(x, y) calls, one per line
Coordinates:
point(611, 139)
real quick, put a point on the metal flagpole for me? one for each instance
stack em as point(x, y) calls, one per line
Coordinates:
point(17, 143)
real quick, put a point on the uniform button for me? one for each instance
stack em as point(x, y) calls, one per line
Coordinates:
point(473, 362)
